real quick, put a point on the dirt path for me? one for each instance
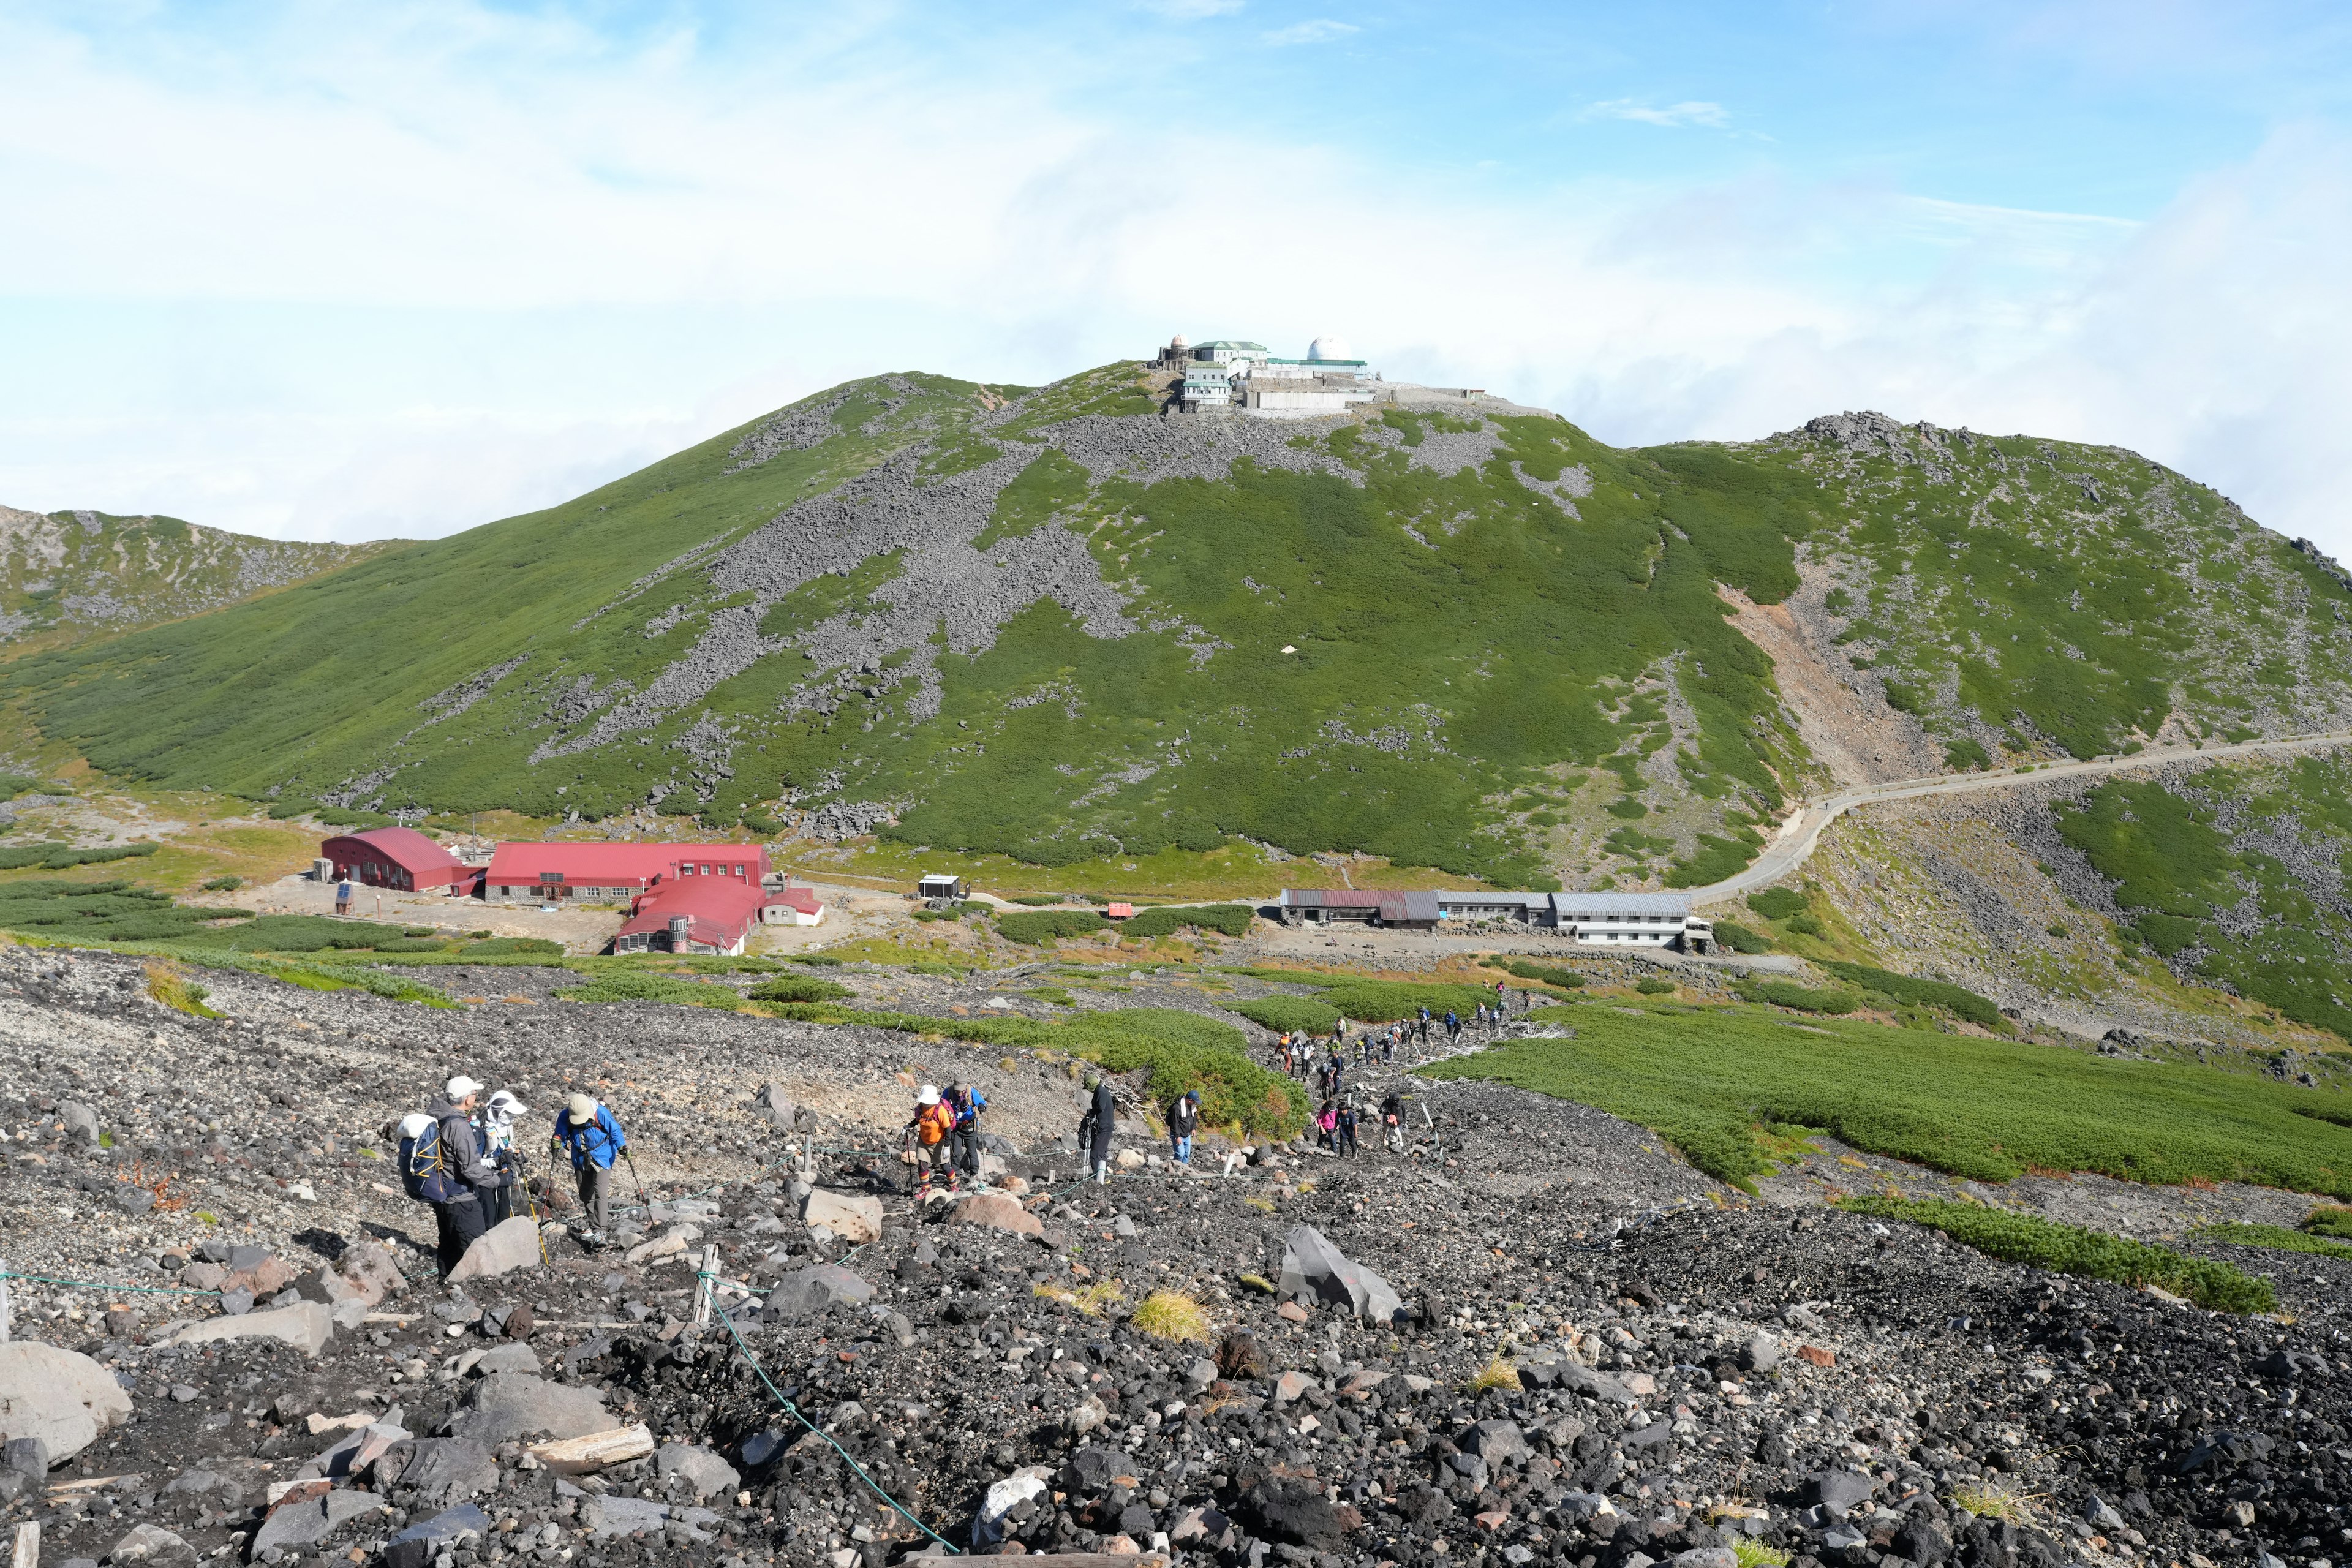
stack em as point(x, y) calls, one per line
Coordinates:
point(1794, 844)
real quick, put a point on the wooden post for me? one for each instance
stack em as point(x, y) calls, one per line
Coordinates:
point(27, 1553)
point(705, 1284)
point(4, 1300)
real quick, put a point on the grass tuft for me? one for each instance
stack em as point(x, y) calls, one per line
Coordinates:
point(1090, 1300)
point(1173, 1315)
point(1753, 1553)
point(1497, 1374)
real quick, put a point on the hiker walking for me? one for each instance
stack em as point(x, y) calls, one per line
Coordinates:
point(1327, 1123)
point(931, 1136)
point(1452, 1024)
point(1100, 1127)
point(494, 1126)
point(1392, 1120)
point(1346, 1130)
point(588, 1132)
point(967, 1103)
point(1183, 1116)
point(463, 1214)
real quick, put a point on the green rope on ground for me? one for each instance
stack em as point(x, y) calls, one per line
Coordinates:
point(793, 1411)
point(102, 1285)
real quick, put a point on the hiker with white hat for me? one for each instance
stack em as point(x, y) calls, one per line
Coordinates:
point(494, 1124)
point(588, 1132)
point(930, 1138)
point(469, 1180)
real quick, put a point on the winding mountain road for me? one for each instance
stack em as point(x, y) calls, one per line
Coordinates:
point(1794, 845)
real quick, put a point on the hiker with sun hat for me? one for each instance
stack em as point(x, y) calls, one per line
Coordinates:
point(587, 1132)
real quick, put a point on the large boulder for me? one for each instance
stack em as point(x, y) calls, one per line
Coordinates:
point(850, 1218)
point(998, 1211)
point(154, 1546)
point(60, 1396)
point(445, 1531)
point(510, 1404)
point(805, 1292)
point(504, 1247)
point(699, 1467)
point(1312, 1266)
point(775, 1107)
point(305, 1325)
point(444, 1469)
point(296, 1524)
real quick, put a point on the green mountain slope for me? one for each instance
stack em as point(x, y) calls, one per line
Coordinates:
point(70, 574)
point(1055, 624)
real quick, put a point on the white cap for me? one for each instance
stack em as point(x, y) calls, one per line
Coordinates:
point(505, 1105)
point(930, 1096)
point(460, 1086)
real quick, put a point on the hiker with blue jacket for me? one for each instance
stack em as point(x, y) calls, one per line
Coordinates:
point(587, 1132)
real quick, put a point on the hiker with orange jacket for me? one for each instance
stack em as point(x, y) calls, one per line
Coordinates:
point(931, 1136)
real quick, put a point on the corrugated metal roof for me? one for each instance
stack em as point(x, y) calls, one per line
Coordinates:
point(592, 863)
point(1621, 903)
point(719, 911)
point(403, 847)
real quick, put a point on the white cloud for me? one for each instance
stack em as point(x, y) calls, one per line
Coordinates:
point(1321, 30)
point(437, 297)
point(1190, 10)
point(1713, 115)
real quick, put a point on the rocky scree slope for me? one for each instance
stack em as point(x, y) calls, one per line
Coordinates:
point(70, 575)
point(1690, 1379)
point(1052, 622)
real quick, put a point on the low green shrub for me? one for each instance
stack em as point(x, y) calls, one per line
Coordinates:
point(1739, 939)
point(53, 856)
point(1034, 928)
point(1167, 920)
point(2329, 1219)
point(799, 988)
point(1035, 901)
point(2070, 1249)
point(1778, 903)
point(1291, 1014)
point(224, 884)
point(817, 960)
point(1956, 1000)
point(1785, 994)
point(2276, 1238)
point(1654, 987)
point(491, 947)
point(1542, 973)
point(651, 987)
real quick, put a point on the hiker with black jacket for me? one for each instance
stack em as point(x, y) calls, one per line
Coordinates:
point(1183, 1116)
point(464, 1216)
point(1102, 1125)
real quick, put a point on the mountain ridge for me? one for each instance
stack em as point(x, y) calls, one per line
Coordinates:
point(1049, 623)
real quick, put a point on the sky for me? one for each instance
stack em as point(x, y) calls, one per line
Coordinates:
point(324, 271)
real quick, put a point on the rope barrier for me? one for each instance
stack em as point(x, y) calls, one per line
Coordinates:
point(704, 1278)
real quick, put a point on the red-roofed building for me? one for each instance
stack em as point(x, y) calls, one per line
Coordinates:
point(396, 858)
point(719, 915)
point(615, 873)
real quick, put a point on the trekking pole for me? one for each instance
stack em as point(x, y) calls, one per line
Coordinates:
point(632, 1158)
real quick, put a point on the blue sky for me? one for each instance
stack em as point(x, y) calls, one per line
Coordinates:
point(328, 271)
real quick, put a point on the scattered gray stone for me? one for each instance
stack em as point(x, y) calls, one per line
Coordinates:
point(311, 1521)
point(152, 1546)
point(420, 1543)
point(699, 1467)
point(508, 1404)
point(1312, 1266)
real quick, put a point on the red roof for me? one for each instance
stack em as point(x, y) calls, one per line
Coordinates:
point(721, 911)
point(593, 864)
point(801, 898)
point(402, 847)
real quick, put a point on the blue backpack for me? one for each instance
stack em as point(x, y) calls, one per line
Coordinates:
point(424, 1168)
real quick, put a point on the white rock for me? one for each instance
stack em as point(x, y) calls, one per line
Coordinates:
point(852, 1218)
point(60, 1396)
point(503, 1248)
point(306, 1325)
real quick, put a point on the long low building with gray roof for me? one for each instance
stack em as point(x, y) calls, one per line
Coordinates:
point(1598, 918)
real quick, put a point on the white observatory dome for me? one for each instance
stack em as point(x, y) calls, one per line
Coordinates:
point(1180, 341)
point(1328, 347)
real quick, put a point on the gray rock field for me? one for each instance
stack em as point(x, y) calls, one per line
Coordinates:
point(1534, 1336)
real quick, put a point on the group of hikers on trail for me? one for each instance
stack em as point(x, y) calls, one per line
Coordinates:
point(944, 1135)
point(460, 1155)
